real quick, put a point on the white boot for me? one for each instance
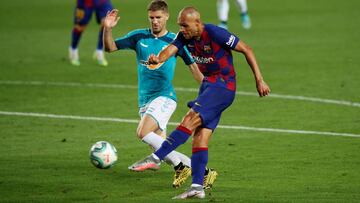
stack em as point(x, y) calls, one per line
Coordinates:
point(74, 57)
point(100, 58)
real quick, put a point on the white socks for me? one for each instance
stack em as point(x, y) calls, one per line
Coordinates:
point(99, 54)
point(223, 10)
point(174, 157)
point(242, 5)
point(196, 185)
point(184, 159)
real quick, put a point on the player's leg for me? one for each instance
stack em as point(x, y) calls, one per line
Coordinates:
point(152, 126)
point(243, 8)
point(101, 12)
point(223, 12)
point(154, 118)
point(183, 158)
point(210, 104)
point(147, 133)
point(210, 174)
point(183, 169)
point(199, 160)
point(82, 16)
point(178, 137)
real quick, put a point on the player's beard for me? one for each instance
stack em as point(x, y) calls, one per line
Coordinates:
point(188, 35)
point(156, 29)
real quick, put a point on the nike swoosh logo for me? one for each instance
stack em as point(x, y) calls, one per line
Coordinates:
point(144, 45)
point(197, 104)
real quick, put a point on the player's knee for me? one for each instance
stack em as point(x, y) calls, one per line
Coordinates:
point(80, 28)
point(140, 132)
point(200, 143)
point(191, 121)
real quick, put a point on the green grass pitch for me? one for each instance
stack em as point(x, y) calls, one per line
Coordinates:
point(308, 49)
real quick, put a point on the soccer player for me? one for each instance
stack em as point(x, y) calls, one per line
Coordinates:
point(83, 13)
point(157, 98)
point(223, 13)
point(211, 48)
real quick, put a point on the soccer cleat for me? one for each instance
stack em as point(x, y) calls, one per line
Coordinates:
point(245, 19)
point(192, 192)
point(149, 163)
point(181, 175)
point(209, 178)
point(74, 57)
point(100, 58)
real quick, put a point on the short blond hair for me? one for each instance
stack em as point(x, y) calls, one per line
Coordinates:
point(156, 5)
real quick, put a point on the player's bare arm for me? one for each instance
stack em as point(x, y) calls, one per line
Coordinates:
point(110, 21)
point(163, 55)
point(261, 86)
point(198, 76)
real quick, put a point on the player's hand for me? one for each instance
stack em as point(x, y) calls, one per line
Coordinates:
point(153, 59)
point(111, 18)
point(262, 88)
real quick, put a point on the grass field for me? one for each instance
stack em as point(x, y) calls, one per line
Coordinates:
point(300, 145)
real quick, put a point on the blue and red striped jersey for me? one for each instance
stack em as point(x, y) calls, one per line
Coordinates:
point(92, 3)
point(212, 53)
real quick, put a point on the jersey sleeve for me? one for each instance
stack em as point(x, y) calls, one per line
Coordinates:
point(128, 41)
point(185, 55)
point(223, 37)
point(179, 41)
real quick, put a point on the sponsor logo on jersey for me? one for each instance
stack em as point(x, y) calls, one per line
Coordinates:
point(200, 59)
point(146, 63)
point(150, 66)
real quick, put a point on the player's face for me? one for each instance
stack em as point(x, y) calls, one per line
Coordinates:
point(158, 20)
point(189, 27)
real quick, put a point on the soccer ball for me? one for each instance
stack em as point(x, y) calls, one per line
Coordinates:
point(103, 155)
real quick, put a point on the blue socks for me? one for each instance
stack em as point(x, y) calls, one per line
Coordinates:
point(76, 35)
point(75, 38)
point(175, 139)
point(100, 44)
point(199, 161)
point(199, 158)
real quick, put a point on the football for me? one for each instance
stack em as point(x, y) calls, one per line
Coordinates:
point(103, 155)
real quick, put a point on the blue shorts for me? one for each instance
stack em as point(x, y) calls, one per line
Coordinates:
point(212, 100)
point(85, 8)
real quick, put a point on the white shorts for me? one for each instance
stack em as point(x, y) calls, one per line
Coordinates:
point(160, 109)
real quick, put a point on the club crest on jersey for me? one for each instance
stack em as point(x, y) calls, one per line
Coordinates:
point(207, 49)
point(80, 14)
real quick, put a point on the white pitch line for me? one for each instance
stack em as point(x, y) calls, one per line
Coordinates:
point(120, 120)
point(71, 117)
point(180, 89)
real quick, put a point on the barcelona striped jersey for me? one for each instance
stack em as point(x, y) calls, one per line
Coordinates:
point(212, 53)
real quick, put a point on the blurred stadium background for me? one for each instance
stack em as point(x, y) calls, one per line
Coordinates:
point(301, 144)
